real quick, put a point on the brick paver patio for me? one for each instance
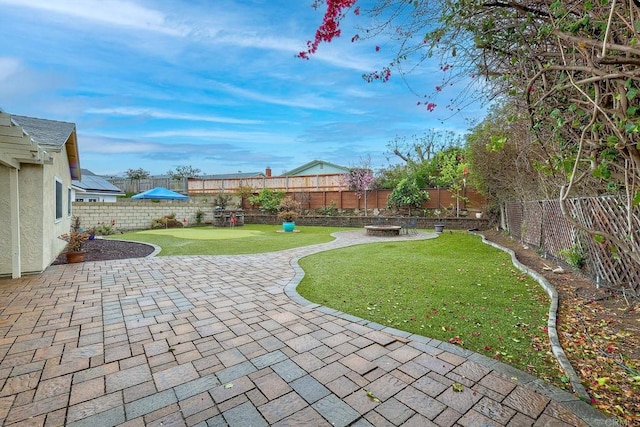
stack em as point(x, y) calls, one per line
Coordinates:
point(225, 340)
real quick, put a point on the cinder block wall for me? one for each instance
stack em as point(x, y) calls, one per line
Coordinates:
point(138, 215)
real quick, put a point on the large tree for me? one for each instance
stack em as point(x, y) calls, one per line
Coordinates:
point(434, 159)
point(137, 174)
point(185, 171)
point(574, 64)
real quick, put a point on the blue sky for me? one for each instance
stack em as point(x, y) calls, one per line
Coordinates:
point(211, 84)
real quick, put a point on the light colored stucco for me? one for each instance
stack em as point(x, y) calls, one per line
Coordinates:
point(31, 203)
point(5, 213)
point(36, 169)
point(60, 169)
point(39, 244)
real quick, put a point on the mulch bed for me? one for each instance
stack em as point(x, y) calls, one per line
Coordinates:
point(104, 249)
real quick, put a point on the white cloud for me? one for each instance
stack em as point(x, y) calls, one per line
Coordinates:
point(310, 102)
point(8, 67)
point(248, 137)
point(118, 13)
point(90, 143)
point(157, 114)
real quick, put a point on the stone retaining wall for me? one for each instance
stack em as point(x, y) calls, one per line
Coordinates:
point(137, 215)
point(360, 221)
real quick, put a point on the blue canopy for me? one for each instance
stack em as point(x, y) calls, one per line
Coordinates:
point(160, 193)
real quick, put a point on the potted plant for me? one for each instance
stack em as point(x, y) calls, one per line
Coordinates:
point(288, 219)
point(438, 226)
point(75, 239)
point(288, 213)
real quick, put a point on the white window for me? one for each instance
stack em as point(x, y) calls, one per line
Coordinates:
point(59, 202)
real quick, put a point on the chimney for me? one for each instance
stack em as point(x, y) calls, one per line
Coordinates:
point(267, 172)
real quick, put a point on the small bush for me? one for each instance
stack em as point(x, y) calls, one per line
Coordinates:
point(288, 216)
point(289, 209)
point(329, 210)
point(222, 200)
point(168, 221)
point(104, 229)
point(199, 216)
point(407, 194)
point(268, 199)
point(573, 256)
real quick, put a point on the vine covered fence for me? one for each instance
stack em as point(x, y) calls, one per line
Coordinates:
point(540, 224)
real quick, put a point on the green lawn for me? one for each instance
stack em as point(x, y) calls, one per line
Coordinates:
point(454, 288)
point(248, 239)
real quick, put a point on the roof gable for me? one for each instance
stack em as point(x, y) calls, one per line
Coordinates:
point(53, 134)
point(46, 132)
point(317, 164)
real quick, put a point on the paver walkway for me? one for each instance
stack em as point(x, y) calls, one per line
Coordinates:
point(224, 340)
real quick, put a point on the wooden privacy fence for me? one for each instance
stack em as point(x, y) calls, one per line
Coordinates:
point(326, 182)
point(439, 198)
point(140, 185)
point(540, 224)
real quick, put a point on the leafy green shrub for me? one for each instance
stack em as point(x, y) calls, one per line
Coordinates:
point(199, 216)
point(167, 221)
point(407, 194)
point(104, 229)
point(329, 210)
point(573, 256)
point(268, 199)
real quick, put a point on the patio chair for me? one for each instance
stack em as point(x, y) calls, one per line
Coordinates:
point(410, 225)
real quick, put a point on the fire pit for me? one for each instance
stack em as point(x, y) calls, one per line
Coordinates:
point(383, 230)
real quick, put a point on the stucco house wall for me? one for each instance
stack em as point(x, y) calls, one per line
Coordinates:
point(34, 153)
point(30, 180)
point(52, 246)
point(5, 212)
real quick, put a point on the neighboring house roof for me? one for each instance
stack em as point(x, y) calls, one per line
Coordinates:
point(53, 134)
point(317, 163)
point(92, 183)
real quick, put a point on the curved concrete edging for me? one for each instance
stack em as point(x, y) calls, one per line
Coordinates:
point(156, 248)
point(552, 330)
point(579, 405)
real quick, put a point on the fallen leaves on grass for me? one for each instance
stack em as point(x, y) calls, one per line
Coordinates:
point(600, 333)
point(598, 346)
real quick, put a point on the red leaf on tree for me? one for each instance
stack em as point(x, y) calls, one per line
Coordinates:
point(330, 27)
